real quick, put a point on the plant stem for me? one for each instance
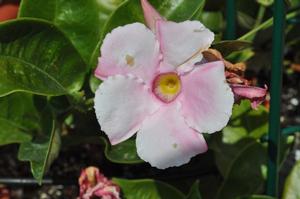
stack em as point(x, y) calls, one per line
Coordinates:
point(266, 24)
point(260, 15)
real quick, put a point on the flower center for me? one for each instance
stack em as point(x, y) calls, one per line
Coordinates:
point(166, 86)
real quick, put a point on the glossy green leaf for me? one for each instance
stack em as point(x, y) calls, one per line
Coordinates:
point(246, 122)
point(292, 184)
point(147, 189)
point(94, 83)
point(229, 46)
point(35, 57)
point(10, 133)
point(171, 9)
point(194, 192)
point(198, 13)
point(17, 118)
point(43, 149)
point(123, 153)
point(245, 173)
point(82, 21)
point(181, 10)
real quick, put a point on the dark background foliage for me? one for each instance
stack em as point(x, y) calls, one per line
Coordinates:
point(48, 128)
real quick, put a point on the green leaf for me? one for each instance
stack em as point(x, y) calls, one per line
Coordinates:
point(43, 149)
point(123, 153)
point(147, 189)
point(245, 20)
point(182, 10)
point(9, 133)
point(35, 57)
point(17, 118)
point(246, 122)
point(198, 13)
point(213, 20)
point(173, 10)
point(229, 46)
point(94, 83)
point(292, 184)
point(226, 153)
point(82, 21)
point(194, 192)
point(245, 173)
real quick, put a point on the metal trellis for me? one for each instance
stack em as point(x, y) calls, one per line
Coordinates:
point(275, 133)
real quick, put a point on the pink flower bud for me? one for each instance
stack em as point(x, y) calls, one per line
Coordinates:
point(94, 184)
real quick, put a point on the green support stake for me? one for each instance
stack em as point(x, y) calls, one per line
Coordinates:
point(275, 92)
point(230, 20)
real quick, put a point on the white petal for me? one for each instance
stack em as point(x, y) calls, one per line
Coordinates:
point(129, 49)
point(150, 14)
point(122, 103)
point(166, 141)
point(181, 41)
point(206, 98)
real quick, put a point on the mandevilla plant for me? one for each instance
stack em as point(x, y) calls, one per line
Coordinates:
point(152, 77)
point(140, 99)
point(172, 92)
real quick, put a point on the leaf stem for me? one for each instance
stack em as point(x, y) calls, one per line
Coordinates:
point(265, 25)
point(260, 15)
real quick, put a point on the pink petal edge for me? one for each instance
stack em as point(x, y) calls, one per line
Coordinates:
point(150, 15)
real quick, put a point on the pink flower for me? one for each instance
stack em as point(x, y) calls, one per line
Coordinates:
point(94, 184)
point(152, 87)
